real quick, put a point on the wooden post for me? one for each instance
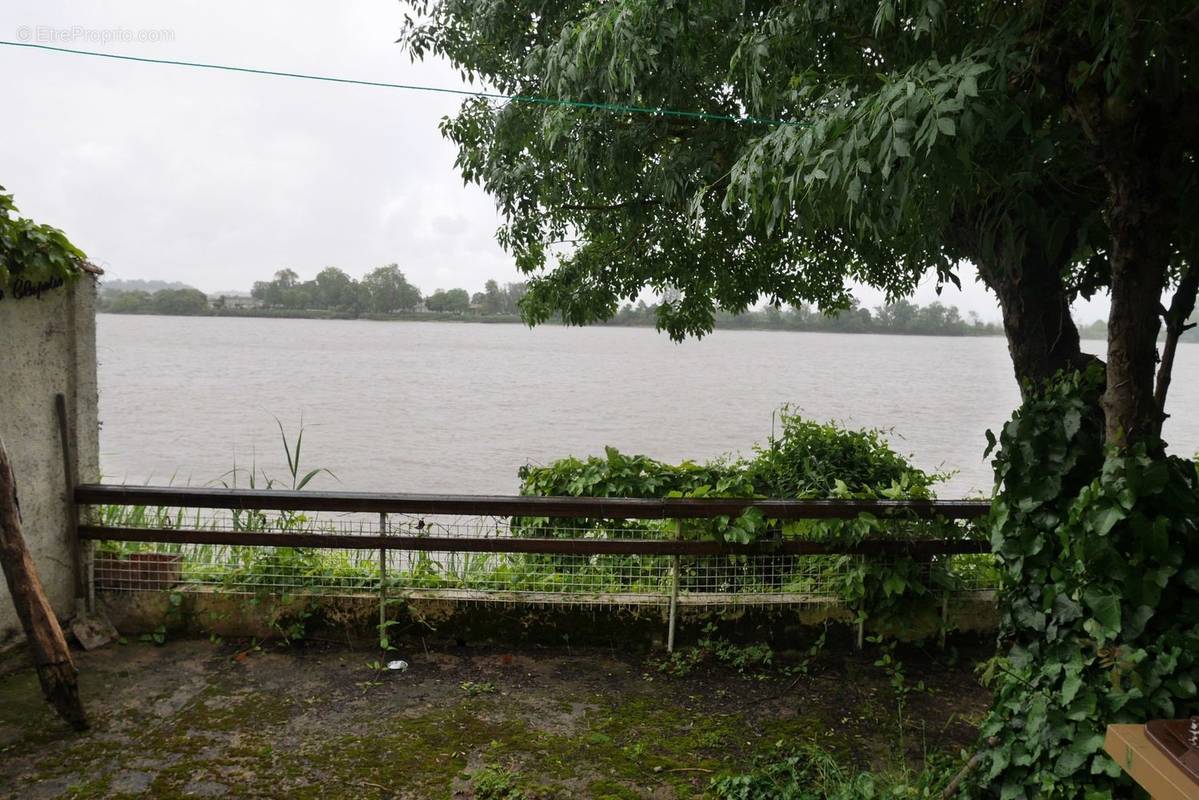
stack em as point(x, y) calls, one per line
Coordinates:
point(382, 578)
point(55, 669)
point(674, 590)
point(70, 478)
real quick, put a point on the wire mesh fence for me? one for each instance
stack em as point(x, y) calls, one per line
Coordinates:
point(766, 578)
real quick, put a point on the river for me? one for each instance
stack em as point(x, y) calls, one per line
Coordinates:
point(445, 407)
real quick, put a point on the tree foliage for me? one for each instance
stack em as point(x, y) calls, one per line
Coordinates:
point(496, 299)
point(389, 290)
point(449, 301)
point(1051, 143)
point(381, 291)
point(179, 302)
point(888, 139)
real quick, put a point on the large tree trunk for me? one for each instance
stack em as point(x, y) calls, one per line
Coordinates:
point(51, 657)
point(1042, 337)
point(1140, 257)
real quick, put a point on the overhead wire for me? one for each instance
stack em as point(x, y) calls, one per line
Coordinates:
point(622, 108)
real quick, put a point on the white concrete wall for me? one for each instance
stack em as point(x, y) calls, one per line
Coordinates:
point(48, 346)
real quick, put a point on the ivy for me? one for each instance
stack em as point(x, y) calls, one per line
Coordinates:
point(33, 257)
point(1100, 615)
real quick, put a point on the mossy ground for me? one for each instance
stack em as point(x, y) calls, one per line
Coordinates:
point(193, 718)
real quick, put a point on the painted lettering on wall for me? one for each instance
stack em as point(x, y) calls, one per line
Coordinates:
point(23, 288)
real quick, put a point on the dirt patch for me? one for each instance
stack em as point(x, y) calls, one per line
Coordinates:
point(194, 719)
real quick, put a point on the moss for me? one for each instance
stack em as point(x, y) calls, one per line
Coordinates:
point(96, 788)
point(421, 753)
point(568, 729)
point(216, 710)
point(21, 703)
point(611, 790)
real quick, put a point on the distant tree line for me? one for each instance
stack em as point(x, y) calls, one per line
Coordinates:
point(902, 317)
point(174, 302)
point(386, 291)
point(383, 291)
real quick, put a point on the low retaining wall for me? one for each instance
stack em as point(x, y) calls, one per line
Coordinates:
point(438, 618)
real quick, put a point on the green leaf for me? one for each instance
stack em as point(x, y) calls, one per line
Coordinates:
point(1071, 422)
point(1104, 519)
point(1079, 752)
point(1070, 686)
point(1105, 609)
point(946, 126)
point(894, 585)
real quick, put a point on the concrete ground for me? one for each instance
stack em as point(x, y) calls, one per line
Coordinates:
point(195, 718)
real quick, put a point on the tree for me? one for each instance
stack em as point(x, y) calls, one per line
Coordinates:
point(390, 291)
point(492, 301)
point(261, 290)
point(300, 296)
point(1049, 143)
point(179, 301)
point(274, 293)
point(453, 301)
point(287, 279)
point(134, 302)
point(513, 294)
point(334, 289)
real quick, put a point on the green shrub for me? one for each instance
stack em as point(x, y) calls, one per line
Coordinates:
point(812, 459)
point(805, 459)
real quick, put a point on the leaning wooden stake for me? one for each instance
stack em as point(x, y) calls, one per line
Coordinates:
point(55, 668)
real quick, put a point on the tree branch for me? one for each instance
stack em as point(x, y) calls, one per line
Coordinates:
point(1181, 308)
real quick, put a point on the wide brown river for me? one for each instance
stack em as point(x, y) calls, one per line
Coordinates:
point(442, 407)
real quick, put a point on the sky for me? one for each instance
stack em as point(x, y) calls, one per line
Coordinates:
point(218, 179)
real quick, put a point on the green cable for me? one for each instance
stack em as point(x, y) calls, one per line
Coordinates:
point(546, 101)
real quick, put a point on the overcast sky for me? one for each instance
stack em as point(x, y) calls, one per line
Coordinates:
point(218, 179)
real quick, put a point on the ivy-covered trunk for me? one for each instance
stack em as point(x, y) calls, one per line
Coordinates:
point(1099, 552)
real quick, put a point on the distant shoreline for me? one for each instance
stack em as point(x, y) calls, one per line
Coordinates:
point(512, 319)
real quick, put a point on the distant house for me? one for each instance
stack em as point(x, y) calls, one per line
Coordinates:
point(234, 301)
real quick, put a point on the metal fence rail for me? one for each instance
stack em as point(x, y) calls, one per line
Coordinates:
point(586, 551)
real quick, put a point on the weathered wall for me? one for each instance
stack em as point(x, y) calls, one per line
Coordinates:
point(48, 346)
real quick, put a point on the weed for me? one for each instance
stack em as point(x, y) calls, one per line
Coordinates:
point(474, 689)
point(494, 783)
point(172, 617)
point(814, 774)
point(756, 657)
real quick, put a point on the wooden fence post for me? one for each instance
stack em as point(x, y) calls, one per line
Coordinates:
point(383, 579)
point(70, 479)
point(674, 589)
point(51, 657)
